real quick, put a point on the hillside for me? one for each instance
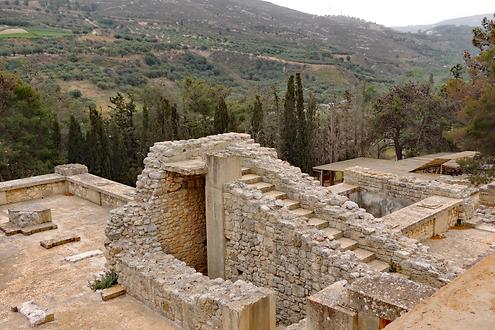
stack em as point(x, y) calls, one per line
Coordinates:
point(123, 44)
point(470, 21)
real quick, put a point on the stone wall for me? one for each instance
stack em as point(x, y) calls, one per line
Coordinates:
point(193, 301)
point(371, 233)
point(412, 188)
point(31, 188)
point(136, 232)
point(272, 248)
point(182, 223)
point(487, 194)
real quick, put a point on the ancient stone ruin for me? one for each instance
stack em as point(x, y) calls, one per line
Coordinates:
point(221, 233)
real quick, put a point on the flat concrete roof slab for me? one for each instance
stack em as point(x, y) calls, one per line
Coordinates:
point(468, 302)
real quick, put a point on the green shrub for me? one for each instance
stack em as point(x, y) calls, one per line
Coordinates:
point(106, 280)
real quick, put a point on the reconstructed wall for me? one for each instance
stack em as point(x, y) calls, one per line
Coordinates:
point(31, 188)
point(411, 188)
point(182, 224)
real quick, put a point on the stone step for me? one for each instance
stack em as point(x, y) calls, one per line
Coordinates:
point(50, 243)
point(318, 223)
point(84, 255)
point(38, 228)
point(302, 212)
point(112, 292)
point(9, 228)
point(263, 186)
point(378, 265)
point(347, 244)
point(364, 255)
point(276, 194)
point(245, 170)
point(333, 232)
point(250, 178)
point(291, 204)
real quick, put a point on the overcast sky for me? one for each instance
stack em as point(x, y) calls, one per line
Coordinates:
point(394, 12)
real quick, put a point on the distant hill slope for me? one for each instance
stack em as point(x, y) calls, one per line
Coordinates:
point(470, 21)
point(243, 44)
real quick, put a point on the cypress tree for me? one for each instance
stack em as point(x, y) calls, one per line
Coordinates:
point(174, 120)
point(97, 145)
point(302, 141)
point(221, 117)
point(124, 165)
point(257, 119)
point(144, 132)
point(75, 144)
point(290, 128)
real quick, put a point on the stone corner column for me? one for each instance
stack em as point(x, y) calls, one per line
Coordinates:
point(221, 169)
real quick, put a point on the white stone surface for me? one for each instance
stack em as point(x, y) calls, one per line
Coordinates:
point(84, 255)
point(33, 313)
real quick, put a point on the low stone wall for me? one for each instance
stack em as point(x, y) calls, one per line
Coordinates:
point(26, 189)
point(430, 217)
point(487, 194)
point(365, 303)
point(98, 190)
point(193, 301)
point(412, 188)
point(70, 178)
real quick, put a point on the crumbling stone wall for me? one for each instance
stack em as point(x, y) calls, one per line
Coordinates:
point(272, 248)
point(182, 224)
point(412, 188)
point(137, 231)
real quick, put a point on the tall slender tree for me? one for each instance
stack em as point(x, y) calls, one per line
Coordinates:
point(221, 117)
point(290, 125)
point(75, 143)
point(257, 120)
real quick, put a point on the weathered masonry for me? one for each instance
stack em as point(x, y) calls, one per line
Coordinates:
point(222, 234)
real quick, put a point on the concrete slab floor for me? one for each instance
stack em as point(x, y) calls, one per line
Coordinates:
point(463, 246)
point(30, 272)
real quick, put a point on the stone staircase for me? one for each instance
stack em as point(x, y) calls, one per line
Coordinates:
point(268, 189)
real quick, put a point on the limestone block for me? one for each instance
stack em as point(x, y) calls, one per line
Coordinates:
point(30, 215)
point(35, 315)
point(9, 228)
point(84, 255)
point(50, 243)
point(112, 292)
point(71, 169)
point(38, 228)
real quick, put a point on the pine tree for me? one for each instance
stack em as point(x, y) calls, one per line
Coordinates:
point(75, 144)
point(257, 120)
point(221, 117)
point(290, 127)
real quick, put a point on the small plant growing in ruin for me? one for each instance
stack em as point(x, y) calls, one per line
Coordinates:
point(104, 281)
point(393, 267)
